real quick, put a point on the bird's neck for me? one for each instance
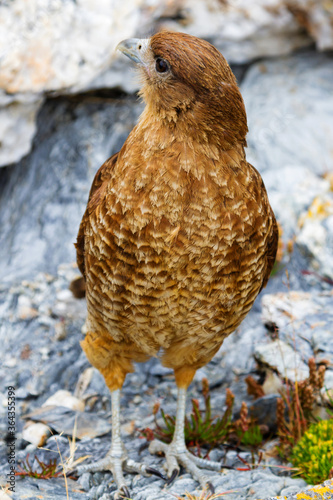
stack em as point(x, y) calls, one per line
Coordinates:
point(191, 127)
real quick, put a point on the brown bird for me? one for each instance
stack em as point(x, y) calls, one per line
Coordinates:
point(178, 237)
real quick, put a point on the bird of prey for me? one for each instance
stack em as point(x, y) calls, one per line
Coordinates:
point(178, 237)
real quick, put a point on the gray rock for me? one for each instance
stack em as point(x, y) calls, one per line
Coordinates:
point(52, 489)
point(289, 103)
point(85, 481)
point(322, 340)
point(303, 320)
point(68, 153)
point(263, 410)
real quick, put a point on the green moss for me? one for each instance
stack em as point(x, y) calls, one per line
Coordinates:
point(313, 454)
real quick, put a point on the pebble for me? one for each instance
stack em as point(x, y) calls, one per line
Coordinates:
point(65, 398)
point(85, 481)
point(36, 433)
point(25, 309)
point(60, 330)
point(10, 362)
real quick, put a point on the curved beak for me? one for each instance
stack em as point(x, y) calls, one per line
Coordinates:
point(133, 48)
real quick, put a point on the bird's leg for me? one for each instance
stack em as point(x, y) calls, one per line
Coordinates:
point(116, 459)
point(104, 354)
point(176, 452)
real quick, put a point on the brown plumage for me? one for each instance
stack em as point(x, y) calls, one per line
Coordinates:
point(178, 237)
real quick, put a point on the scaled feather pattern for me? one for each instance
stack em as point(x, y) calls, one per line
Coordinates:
point(178, 237)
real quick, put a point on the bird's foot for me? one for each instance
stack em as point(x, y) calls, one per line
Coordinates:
point(118, 464)
point(177, 455)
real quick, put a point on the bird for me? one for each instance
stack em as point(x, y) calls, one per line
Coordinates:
point(178, 237)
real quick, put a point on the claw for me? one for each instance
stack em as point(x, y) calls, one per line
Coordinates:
point(173, 476)
point(155, 472)
point(211, 487)
point(124, 492)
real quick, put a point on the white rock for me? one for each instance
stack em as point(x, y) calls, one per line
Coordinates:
point(64, 295)
point(50, 45)
point(36, 433)
point(243, 30)
point(282, 308)
point(17, 129)
point(272, 384)
point(328, 384)
point(25, 309)
point(65, 398)
point(55, 45)
point(10, 362)
point(279, 356)
point(317, 18)
point(60, 330)
point(4, 496)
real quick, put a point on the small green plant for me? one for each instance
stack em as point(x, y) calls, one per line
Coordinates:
point(313, 454)
point(252, 437)
point(201, 428)
point(46, 470)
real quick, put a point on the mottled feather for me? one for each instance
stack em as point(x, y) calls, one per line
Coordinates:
point(178, 237)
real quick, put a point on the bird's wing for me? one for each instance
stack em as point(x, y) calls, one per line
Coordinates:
point(271, 249)
point(98, 187)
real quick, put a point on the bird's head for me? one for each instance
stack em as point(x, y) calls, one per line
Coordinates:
point(185, 77)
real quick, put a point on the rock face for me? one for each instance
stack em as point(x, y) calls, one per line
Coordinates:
point(57, 46)
point(289, 105)
point(53, 46)
point(46, 193)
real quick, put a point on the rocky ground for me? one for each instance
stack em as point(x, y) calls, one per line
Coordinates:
point(289, 103)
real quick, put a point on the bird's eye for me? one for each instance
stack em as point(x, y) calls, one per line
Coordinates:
point(161, 65)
